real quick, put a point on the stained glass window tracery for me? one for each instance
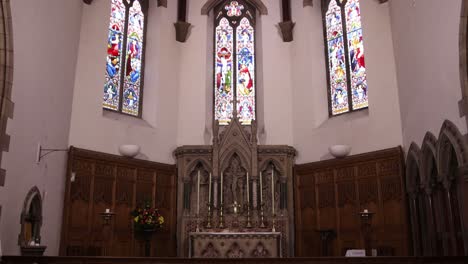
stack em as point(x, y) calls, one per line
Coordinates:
point(125, 53)
point(234, 62)
point(347, 80)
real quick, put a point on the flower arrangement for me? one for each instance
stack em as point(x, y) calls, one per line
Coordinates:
point(147, 218)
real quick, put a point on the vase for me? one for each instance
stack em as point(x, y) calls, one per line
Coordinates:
point(146, 235)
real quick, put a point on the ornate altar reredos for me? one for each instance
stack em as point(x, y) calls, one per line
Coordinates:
point(225, 209)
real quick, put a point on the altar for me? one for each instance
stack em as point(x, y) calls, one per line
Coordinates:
point(235, 245)
point(235, 197)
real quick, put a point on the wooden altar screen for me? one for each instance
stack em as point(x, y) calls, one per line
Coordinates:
point(329, 194)
point(97, 181)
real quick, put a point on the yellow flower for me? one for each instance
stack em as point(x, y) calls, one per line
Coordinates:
point(136, 219)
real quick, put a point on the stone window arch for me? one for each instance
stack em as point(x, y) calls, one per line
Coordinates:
point(31, 218)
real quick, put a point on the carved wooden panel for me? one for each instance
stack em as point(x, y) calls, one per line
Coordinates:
point(144, 188)
point(368, 191)
point(326, 195)
point(104, 181)
point(346, 193)
point(330, 194)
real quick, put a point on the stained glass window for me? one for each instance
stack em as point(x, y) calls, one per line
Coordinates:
point(234, 62)
point(125, 46)
point(345, 56)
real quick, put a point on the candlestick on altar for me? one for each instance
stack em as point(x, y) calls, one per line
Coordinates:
point(221, 205)
point(221, 198)
point(221, 216)
point(209, 215)
point(198, 193)
point(262, 216)
point(248, 185)
point(261, 191)
point(262, 222)
point(272, 191)
point(273, 229)
point(209, 189)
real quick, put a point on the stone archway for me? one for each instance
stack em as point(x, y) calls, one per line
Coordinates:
point(31, 218)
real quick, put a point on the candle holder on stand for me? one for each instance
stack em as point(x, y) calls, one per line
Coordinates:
point(107, 217)
point(221, 216)
point(262, 216)
point(209, 216)
point(366, 225)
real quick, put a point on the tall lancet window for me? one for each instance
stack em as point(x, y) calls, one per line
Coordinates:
point(125, 57)
point(347, 81)
point(234, 62)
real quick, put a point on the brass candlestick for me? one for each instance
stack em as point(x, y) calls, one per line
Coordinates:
point(262, 216)
point(209, 216)
point(221, 216)
point(273, 229)
point(249, 223)
point(197, 221)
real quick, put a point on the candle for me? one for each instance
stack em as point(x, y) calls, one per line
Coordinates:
point(209, 190)
point(198, 193)
point(107, 210)
point(366, 211)
point(248, 198)
point(221, 188)
point(261, 191)
point(272, 191)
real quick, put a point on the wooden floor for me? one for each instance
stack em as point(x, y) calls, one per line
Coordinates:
point(109, 260)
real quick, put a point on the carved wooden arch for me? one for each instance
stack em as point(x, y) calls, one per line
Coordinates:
point(258, 4)
point(428, 160)
point(413, 169)
point(278, 166)
point(194, 163)
point(450, 137)
point(33, 193)
point(225, 160)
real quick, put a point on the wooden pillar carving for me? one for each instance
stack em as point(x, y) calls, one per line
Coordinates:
point(182, 27)
point(286, 25)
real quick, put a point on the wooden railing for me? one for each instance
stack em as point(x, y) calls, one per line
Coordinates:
point(331, 260)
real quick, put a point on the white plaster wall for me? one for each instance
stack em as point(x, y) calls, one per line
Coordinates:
point(277, 80)
point(193, 65)
point(46, 35)
point(95, 129)
point(378, 127)
point(425, 37)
